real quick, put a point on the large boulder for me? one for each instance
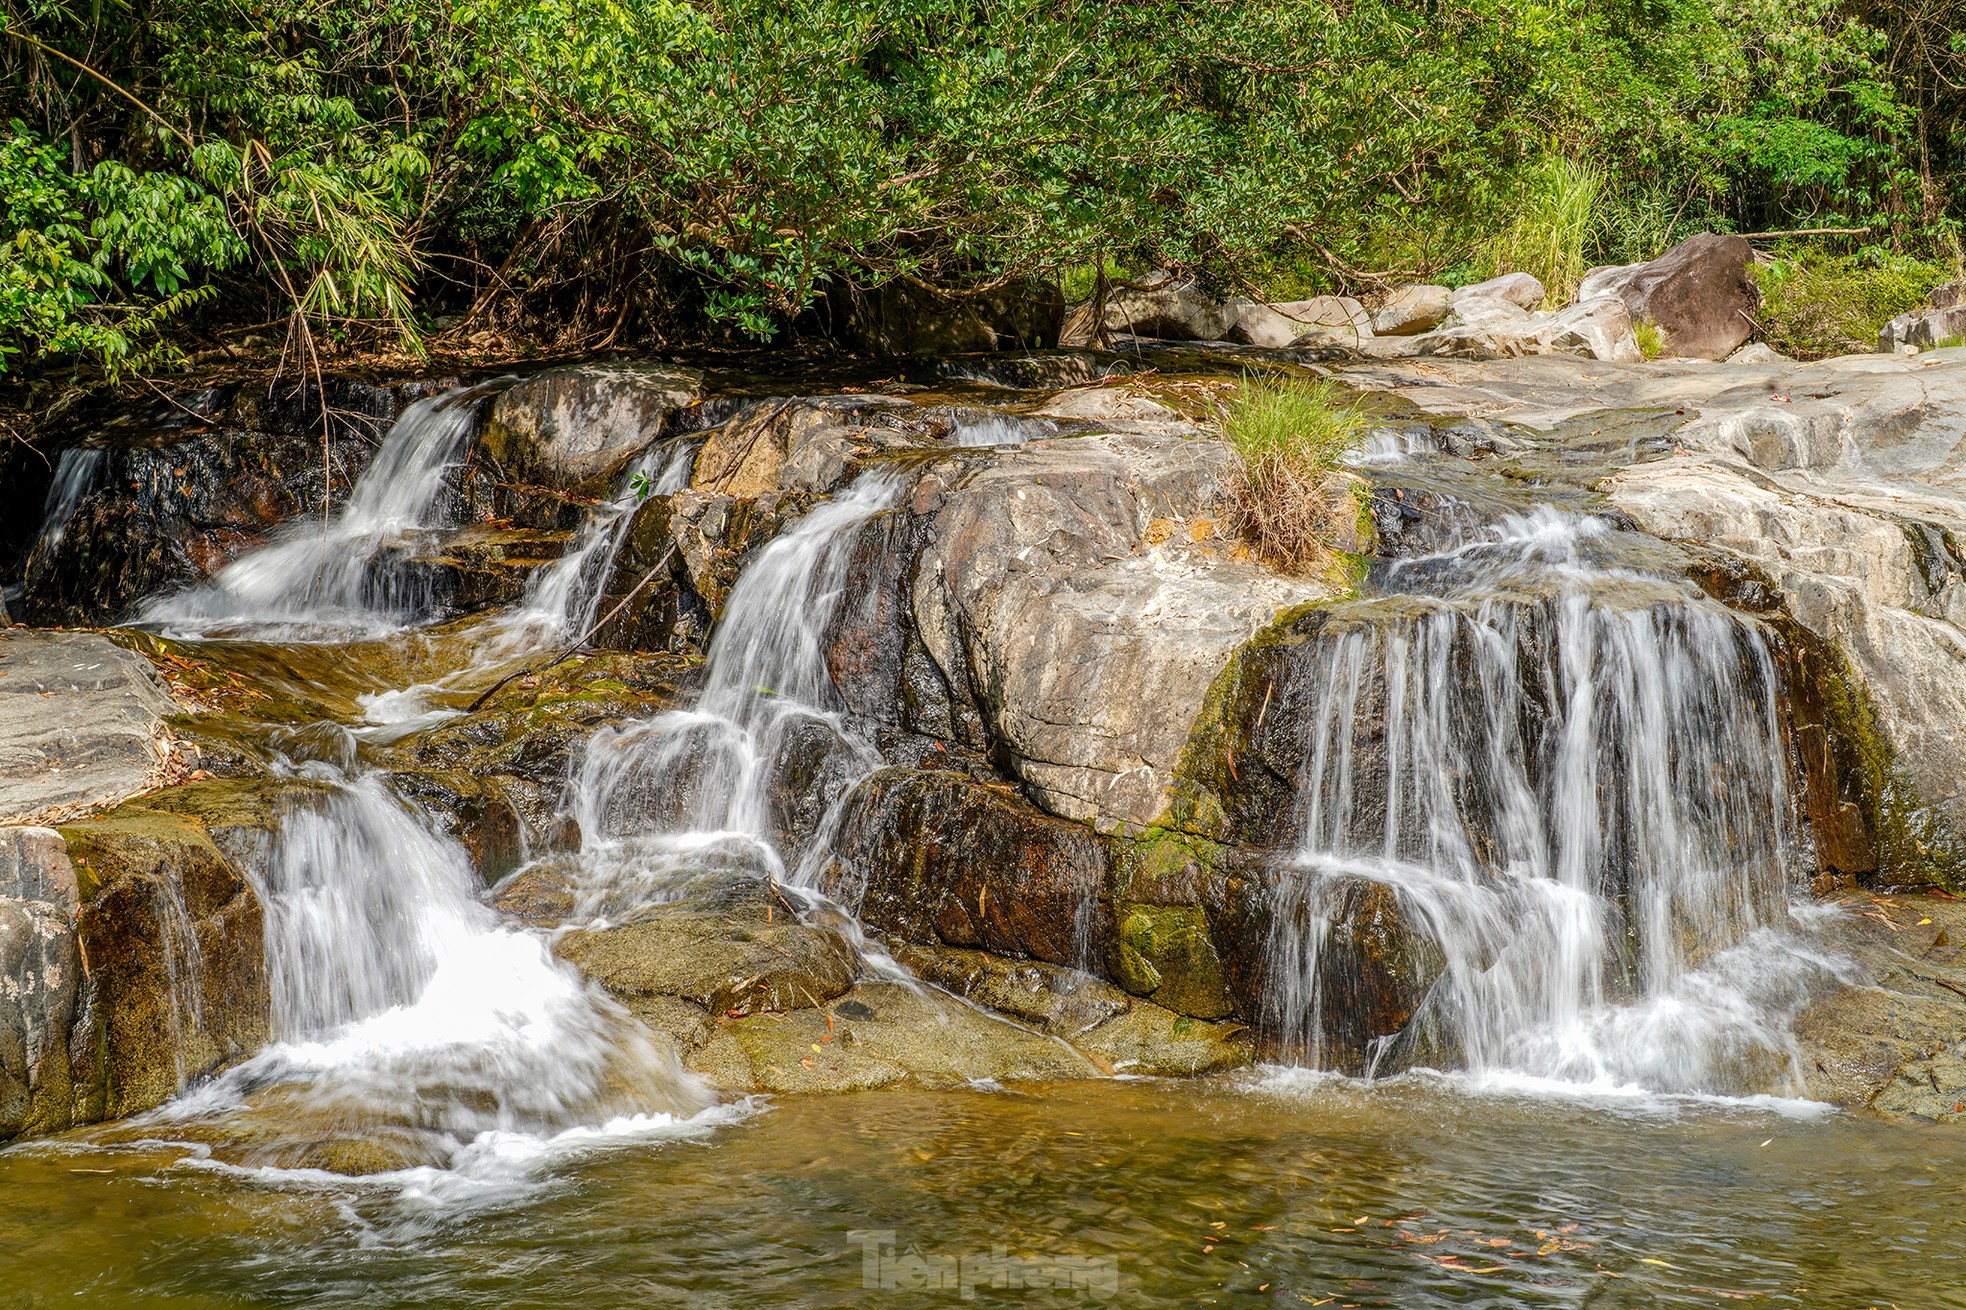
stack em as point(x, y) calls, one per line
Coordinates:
point(1060, 578)
point(82, 723)
point(1321, 320)
point(1523, 290)
point(1699, 293)
point(578, 427)
point(1162, 304)
point(1409, 311)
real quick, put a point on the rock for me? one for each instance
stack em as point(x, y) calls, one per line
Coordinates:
point(1164, 952)
point(1473, 311)
point(1758, 352)
point(578, 427)
point(157, 500)
point(1411, 310)
point(1699, 293)
point(1046, 607)
point(877, 1035)
point(1106, 405)
point(938, 859)
point(1519, 289)
point(804, 443)
point(1892, 1036)
point(903, 318)
point(40, 981)
point(172, 942)
point(1487, 327)
point(1161, 304)
point(1598, 329)
point(1151, 1040)
point(1940, 322)
point(1322, 318)
point(81, 723)
point(734, 949)
point(1055, 1001)
point(1840, 482)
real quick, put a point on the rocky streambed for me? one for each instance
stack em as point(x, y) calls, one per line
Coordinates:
point(935, 730)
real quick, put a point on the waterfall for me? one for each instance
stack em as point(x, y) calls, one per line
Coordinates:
point(562, 598)
point(688, 791)
point(75, 477)
point(352, 575)
point(402, 1003)
point(1571, 779)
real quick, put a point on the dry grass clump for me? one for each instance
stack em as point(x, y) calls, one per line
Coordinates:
point(1288, 497)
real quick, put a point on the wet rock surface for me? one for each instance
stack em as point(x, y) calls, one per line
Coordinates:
point(82, 723)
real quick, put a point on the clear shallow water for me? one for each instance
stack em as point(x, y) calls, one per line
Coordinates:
point(1409, 1194)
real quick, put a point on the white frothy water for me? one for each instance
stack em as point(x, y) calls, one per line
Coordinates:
point(405, 1010)
point(993, 429)
point(354, 574)
point(560, 603)
point(690, 791)
point(1572, 783)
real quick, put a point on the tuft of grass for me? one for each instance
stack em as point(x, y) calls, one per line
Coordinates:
point(1814, 305)
point(1651, 338)
point(1555, 213)
point(1288, 496)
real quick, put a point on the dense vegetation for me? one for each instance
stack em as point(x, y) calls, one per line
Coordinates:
point(573, 172)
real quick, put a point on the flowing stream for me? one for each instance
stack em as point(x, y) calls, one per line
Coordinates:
point(1553, 767)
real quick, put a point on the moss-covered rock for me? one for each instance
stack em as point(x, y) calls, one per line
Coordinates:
point(172, 948)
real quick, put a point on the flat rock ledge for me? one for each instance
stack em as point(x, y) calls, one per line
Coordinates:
point(81, 724)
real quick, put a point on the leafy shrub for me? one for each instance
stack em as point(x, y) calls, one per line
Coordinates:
point(1288, 496)
point(1815, 305)
point(1651, 338)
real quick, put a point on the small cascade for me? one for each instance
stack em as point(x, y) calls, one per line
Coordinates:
point(690, 791)
point(76, 473)
point(347, 576)
point(979, 428)
point(562, 598)
point(405, 1010)
point(560, 602)
point(1570, 779)
point(184, 970)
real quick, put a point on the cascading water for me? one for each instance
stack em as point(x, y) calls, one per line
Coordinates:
point(691, 790)
point(405, 1011)
point(1571, 778)
point(347, 576)
point(75, 476)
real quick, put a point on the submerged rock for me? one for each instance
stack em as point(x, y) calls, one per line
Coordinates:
point(1892, 1037)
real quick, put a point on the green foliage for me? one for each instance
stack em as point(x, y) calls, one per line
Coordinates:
point(1651, 338)
point(1288, 495)
point(584, 166)
point(1816, 305)
point(1554, 215)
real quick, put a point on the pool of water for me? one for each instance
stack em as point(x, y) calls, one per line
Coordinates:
point(1271, 1189)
